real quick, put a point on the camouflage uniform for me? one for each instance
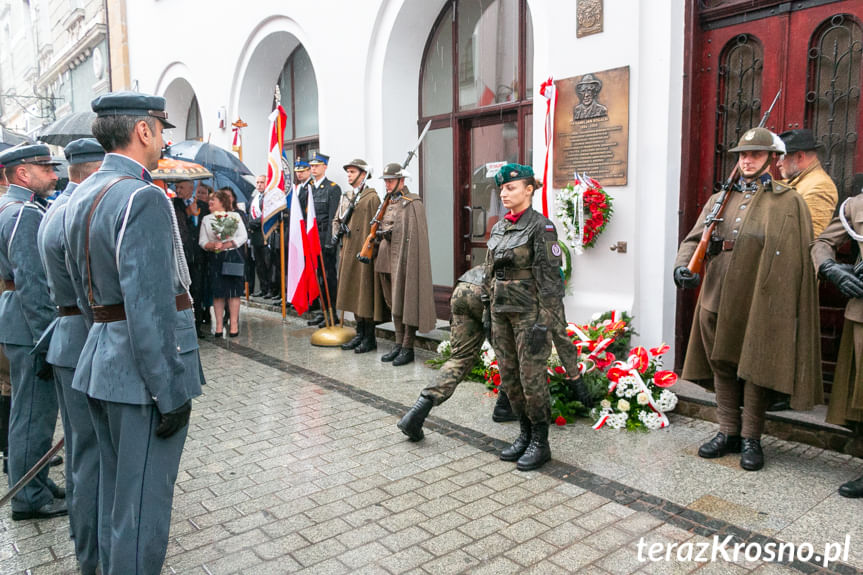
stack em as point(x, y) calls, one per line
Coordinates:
point(467, 336)
point(522, 273)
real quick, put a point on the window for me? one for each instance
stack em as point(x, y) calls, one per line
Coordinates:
point(194, 131)
point(298, 89)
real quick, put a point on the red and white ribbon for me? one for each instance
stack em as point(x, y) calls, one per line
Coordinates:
point(629, 368)
point(549, 92)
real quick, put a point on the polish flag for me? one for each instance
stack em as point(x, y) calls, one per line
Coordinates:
point(302, 280)
point(312, 237)
point(274, 193)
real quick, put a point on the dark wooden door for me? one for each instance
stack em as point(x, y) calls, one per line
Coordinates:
point(739, 53)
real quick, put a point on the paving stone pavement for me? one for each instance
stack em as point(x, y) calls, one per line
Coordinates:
point(294, 465)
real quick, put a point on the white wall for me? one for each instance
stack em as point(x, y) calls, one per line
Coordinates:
point(367, 55)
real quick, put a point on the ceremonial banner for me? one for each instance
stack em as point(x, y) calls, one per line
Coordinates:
point(302, 279)
point(274, 193)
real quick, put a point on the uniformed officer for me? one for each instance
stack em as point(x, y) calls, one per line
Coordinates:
point(140, 365)
point(66, 338)
point(260, 254)
point(326, 194)
point(25, 312)
point(523, 280)
point(403, 265)
point(5, 387)
point(846, 399)
point(755, 327)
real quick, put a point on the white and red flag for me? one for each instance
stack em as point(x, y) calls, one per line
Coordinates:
point(274, 193)
point(302, 286)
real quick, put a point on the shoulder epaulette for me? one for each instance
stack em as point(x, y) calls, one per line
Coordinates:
point(332, 184)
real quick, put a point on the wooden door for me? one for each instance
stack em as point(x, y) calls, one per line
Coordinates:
point(740, 52)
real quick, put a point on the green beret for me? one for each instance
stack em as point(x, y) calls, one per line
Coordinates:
point(512, 172)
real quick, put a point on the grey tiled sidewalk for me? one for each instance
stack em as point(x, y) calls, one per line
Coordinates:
point(294, 464)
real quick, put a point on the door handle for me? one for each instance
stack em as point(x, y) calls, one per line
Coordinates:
point(469, 233)
point(484, 222)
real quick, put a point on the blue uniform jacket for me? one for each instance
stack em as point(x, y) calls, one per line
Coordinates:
point(27, 311)
point(65, 335)
point(152, 356)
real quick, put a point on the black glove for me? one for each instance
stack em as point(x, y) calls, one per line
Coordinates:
point(173, 421)
point(381, 235)
point(685, 279)
point(344, 230)
point(842, 276)
point(44, 370)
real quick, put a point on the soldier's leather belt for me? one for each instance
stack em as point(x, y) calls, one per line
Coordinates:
point(512, 274)
point(117, 312)
point(727, 245)
point(10, 285)
point(68, 310)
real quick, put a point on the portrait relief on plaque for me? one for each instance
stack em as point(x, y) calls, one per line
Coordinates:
point(591, 127)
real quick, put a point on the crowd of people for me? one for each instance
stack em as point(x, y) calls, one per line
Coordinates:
point(103, 289)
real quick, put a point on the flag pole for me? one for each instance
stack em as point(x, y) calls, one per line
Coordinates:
point(282, 222)
point(238, 126)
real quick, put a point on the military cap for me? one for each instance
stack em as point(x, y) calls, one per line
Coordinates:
point(512, 172)
point(799, 141)
point(37, 154)
point(131, 104)
point(756, 139)
point(358, 164)
point(84, 150)
point(393, 171)
point(318, 159)
point(300, 165)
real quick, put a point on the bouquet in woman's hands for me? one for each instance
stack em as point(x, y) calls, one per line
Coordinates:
point(224, 225)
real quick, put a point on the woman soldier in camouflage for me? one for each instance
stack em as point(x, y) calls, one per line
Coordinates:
point(522, 274)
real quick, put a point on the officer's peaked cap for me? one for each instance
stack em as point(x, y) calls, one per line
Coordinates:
point(84, 150)
point(38, 154)
point(131, 104)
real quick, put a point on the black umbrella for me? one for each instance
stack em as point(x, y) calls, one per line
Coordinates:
point(9, 138)
point(224, 165)
point(61, 132)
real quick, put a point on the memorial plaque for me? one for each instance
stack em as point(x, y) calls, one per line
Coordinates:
point(591, 127)
point(588, 14)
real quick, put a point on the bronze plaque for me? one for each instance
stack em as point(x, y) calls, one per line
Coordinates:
point(591, 127)
point(588, 14)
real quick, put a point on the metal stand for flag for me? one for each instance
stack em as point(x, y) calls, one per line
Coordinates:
point(332, 335)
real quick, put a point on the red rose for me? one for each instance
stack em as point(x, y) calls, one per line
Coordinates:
point(561, 420)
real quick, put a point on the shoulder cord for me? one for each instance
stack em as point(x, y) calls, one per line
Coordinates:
point(854, 235)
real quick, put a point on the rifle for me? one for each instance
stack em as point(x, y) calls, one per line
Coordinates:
point(346, 219)
point(367, 253)
point(696, 263)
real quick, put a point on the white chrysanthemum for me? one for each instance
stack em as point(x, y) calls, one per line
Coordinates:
point(623, 405)
point(444, 347)
point(650, 419)
point(642, 398)
point(605, 404)
point(617, 420)
point(667, 400)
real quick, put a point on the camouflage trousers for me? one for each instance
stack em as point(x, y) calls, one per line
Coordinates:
point(566, 351)
point(522, 344)
point(466, 340)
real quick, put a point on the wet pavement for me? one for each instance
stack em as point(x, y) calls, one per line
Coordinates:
point(294, 464)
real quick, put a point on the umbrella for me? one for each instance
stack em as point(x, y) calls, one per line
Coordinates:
point(9, 138)
point(171, 170)
point(68, 128)
point(212, 157)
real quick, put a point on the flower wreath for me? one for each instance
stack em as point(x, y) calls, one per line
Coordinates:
point(584, 209)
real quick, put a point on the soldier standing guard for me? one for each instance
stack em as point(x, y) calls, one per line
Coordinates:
point(403, 264)
point(360, 289)
point(326, 195)
point(522, 275)
point(5, 387)
point(65, 339)
point(140, 365)
point(846, 401)
point(25, 312)
point(755, 327)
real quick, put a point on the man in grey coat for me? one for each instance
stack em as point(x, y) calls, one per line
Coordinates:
point(139, 366)
point(64, 340)
point(25, 312)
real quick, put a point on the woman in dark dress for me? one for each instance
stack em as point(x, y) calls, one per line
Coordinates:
point(222, 233)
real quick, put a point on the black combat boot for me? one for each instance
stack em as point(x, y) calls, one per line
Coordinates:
point(405, 356)
point(353, 343)
point(751, 456)
point(852, 489)
point(5, 406)
point(518, 447)
point(719, 446)
point(538, 451)
point(369, 342)
point(503, 409)
point(393, 353)
point(412, 422)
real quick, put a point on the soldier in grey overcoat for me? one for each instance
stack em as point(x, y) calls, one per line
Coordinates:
point(140, 365)
point(64, 340)
point(25, 312)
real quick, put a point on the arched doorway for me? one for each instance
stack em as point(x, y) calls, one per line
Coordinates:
point(298, 93)
point(181, 103)
point(476, 88)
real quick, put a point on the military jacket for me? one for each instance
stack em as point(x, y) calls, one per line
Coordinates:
point(523, 263)
point(65, 335)
point(327, 195)
point(152, 355)
point(26, 311)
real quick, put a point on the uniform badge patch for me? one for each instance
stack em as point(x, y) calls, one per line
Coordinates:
point(555, 250)
point(549, 227)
